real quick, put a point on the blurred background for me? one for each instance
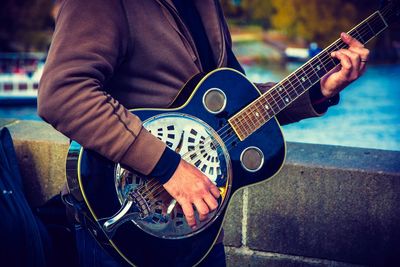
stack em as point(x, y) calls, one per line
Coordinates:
point(271, 38)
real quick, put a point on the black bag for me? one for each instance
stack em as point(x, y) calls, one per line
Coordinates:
point(23, 238)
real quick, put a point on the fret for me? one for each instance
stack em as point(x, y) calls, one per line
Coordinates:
point(318, 67)
point(326, 60)
point(303, 78)
point(292, 92)
point(236, 127)
point(378, 24)
point(259, 113)
point(330, 62)
point(242, 120)
point(367, 32)
point(358, 37)
point(255, 116)
point(266, 105)
point(312, 75)
point(338, 45)
point(283, 94)
point(278, 99)
point(240, 127)
point(248, 119)
point(267, 113)
point(288, 86)
point(274, 103)
point(252, 120)
point(298, 82)
point(383, 19)
point(266, 108)
point(369, 26)
point(294, 86)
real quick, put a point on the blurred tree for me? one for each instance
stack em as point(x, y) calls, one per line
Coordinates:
point(25, 25)
point(249, 11)
point(313, 20)
point(310, 20)
point(258, 11)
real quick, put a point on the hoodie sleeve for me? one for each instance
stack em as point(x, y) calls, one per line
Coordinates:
point(90, 40)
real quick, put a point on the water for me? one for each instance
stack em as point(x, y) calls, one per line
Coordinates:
point(368, 114)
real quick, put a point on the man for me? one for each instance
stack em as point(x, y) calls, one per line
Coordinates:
point(107, 56)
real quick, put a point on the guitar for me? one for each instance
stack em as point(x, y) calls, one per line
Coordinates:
point(222, 125)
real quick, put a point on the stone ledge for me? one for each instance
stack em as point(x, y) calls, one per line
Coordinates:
point(41, 152)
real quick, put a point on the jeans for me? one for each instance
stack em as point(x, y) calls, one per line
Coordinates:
point(92, 255)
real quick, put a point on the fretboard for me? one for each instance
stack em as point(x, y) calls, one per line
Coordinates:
point(289, 89)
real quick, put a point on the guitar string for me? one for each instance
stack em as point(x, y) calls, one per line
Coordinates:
point(156, 190)
point(279, 102)
point(296, 85)
point(361, 31)
point(307, 71)
point(152, 189)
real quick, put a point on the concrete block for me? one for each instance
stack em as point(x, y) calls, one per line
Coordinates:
point(233, 221)
point(41, 153)
point(342, 210)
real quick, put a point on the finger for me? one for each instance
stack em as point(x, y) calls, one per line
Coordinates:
point(202, 209)
point(345, 71)
point(187, 209)
point(355, 61)
point(363, 52)
point(350, 40)
point(214, 191)
point(211, 202)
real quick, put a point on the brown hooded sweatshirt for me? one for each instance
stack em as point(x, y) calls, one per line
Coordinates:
point(107, 56)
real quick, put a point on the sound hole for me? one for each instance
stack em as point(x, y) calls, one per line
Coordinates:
point(214, 100)
point(252, 159)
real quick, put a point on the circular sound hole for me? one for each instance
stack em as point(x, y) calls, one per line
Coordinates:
point(214, 100)
point(252, 159)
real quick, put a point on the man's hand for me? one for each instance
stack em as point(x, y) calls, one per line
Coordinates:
point(352, 65)
point(188, 186)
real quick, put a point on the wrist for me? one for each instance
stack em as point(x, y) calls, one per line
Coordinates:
point(319, 101)
point(166, 166)
point(316, 94)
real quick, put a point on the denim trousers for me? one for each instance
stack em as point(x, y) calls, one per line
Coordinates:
point(92, 255)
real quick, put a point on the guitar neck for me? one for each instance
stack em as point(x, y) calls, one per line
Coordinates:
point(293, 86)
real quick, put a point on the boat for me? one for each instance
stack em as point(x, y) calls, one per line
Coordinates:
point(19, 77)
point(301, 54)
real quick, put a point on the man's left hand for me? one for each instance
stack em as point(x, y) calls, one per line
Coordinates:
point(352, 65)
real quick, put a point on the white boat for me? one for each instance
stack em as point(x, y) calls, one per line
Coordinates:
point(21, 86)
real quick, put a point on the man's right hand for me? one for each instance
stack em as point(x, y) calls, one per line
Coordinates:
point(188, 186)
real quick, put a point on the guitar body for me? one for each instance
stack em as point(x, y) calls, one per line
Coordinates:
point(149, 242)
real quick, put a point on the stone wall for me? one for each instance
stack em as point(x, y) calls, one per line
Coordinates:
point(329, 205)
